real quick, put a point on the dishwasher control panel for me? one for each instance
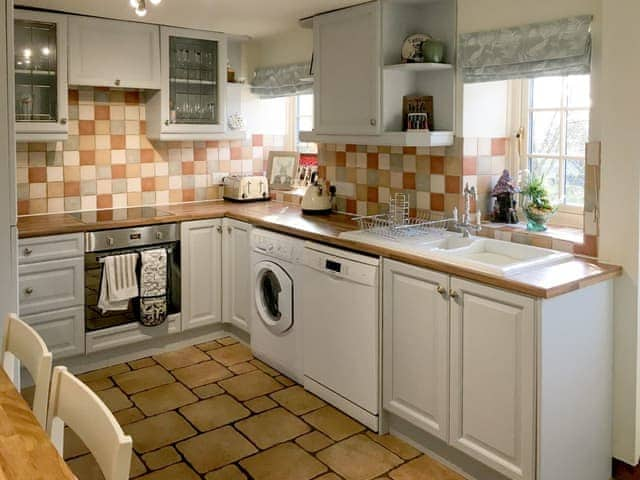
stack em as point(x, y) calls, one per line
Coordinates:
point(339, 267)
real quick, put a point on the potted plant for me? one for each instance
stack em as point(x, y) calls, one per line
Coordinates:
point(536, 203)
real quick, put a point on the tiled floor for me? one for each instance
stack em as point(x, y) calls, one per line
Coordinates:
point(214, 412)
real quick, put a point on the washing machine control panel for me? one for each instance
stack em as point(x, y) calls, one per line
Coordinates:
point(275, 246)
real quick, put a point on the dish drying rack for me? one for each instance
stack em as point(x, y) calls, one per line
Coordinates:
point(397, 223)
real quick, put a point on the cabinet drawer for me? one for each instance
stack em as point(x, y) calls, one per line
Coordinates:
point(42, 249)
point(129, 334)
point(62, 331)
point(48, 286)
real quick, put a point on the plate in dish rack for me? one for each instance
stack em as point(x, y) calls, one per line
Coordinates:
point(412, 47)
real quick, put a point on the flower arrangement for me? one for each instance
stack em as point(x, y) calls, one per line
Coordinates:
point(536, 203)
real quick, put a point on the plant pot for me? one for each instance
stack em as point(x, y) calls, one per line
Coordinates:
point(433, 51)
point(536, 218)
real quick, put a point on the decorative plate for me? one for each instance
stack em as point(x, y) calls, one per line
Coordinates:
point(412, 48)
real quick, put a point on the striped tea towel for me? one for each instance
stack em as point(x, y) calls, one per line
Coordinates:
point(119, 282)
point(153, 287)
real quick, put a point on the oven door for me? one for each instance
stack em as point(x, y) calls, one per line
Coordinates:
point(96, 320)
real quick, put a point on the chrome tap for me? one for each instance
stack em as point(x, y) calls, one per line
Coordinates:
point(466, 225)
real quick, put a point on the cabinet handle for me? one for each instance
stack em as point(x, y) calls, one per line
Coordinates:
point(63, 121)
point(229, 229)
point(453, 294)
point(117, 82)
point(28, 290)
point(27, 252)
point(166, 122)
point(219, 228)
point(373, 122)
point(441, 290)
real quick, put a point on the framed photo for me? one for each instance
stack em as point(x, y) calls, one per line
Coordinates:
point(282, 169)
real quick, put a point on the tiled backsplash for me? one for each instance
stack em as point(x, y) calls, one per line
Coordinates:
point(108, 162)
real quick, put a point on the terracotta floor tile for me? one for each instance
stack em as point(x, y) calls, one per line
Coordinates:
point(180, 471)
point(161, 458)
point(137, 467)
point(86, 467)
point(231, 355)
point(329, 476)
point(314, 441)
point(104, 372)
point(159, 431)
point(241, 368)
point(264, 367)
point(260, 404)
point(359, 458)
point(181, 358)
point(283, 462)
point(334, 423)
point(100, 384)
point(206, 346)
point(73, 446)
point(287, 382)
point(202, 374)
point(424, 468)
point(230, 472)
point(397, 446)
point(297, 400)
point(143, 379)
point(250, 385)
point(114, 399)
point(226, 340)
point(142, 363)
point(208, 391)
point(215, 449)
point(272, 427)
point(214, 412)
point(130, 415)
point(163, 398)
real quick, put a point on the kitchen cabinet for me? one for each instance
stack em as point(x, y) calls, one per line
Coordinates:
point(347, 71)
point(112, 53)
point(40, 65)
point(51, 291)
point(236, 285)
point(493, 376)
point(201, 265)
point(191, 103)
point(416, 346)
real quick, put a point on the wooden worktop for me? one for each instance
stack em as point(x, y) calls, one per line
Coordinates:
point(26, 453)
point(546, 282)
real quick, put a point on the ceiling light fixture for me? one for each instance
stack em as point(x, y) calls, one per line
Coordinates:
point(140, 6)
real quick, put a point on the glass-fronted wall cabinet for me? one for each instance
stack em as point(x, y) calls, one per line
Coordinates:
point(40, 65)
point(191, 102)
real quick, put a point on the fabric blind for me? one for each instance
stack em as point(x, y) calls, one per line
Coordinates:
point(282, 81)
point(561, 47)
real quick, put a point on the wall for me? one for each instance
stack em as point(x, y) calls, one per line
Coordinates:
point(295, 46)
point(108, 162)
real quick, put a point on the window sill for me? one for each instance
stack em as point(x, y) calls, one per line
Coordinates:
point(566, 239)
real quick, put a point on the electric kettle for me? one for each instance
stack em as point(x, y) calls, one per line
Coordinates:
point(317, 199)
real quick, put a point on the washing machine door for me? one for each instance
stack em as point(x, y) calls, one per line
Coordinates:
point(274, 297)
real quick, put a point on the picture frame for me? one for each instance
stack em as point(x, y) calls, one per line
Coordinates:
point(282, 169)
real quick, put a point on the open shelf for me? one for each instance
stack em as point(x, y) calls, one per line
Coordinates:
point(419, 67)
point(392, 139)
point(193, 82)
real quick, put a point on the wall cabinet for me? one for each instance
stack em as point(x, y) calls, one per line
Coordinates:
point(40, 65)
point(111, 53)
point(191, 103)
point(236, 285)
point(201, 257)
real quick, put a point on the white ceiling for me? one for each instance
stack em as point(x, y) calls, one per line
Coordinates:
point(256, 18)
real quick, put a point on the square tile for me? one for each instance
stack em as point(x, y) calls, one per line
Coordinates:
point(424, 468)
point(104, 372)
point(260, 404)
point(161, 458)
point(159, 431)
point(230, 472)
point(283, 462)
point(397, 446)
point(297, 400)
point(250, 385)
point(232, 354)
point(181, 358)
point(240, 368)
point(272, 427)
point(216, 449)
point(314, 441)
point(179, 471)
point(214, 412)
point(143, 379)
point(202, 374)
point(130, 415)
point(359, 458)
point(333, 423)
point(114, 399)
point(163, 398)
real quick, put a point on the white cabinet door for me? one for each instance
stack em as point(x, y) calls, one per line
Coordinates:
point(61, 330)
point(40, 65)
point(201, 243)
point(416, 346)
point(110, 53)
point(347, 73)
point(236, 287)
point(493, 375)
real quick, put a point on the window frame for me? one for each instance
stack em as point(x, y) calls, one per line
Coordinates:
point(570, 215)
point(296, 116)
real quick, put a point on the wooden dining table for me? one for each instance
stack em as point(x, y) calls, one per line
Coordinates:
point(26, 452)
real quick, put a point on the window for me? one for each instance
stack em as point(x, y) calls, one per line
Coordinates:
point(304, 122)
point(557, 119)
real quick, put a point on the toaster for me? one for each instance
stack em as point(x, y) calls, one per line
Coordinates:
point(245, 189)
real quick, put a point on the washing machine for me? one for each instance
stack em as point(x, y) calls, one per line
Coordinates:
point(276, 332)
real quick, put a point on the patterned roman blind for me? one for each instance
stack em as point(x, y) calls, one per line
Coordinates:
point(283, 81)
point(561, 47)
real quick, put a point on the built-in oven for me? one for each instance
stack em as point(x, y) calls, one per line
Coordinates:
point(101, 244)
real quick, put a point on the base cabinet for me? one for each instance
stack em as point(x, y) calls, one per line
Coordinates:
point(61, 330)
point(201, 245)
point(236, 272)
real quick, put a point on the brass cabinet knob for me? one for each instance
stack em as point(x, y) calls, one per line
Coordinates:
point(27, 252)
point(117, 82)
point(229, 229)
point(219, 229)
point(28, 290)
point(454, 294)
point(441, 290)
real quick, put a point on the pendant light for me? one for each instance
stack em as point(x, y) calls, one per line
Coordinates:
point(140, 6)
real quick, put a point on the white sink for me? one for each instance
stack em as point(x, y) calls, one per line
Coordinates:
point(495, 256)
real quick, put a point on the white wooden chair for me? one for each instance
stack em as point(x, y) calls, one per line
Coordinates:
point(26, 348)
point(72, 403)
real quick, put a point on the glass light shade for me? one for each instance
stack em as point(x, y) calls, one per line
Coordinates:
point(156, 2)
point(141, 11)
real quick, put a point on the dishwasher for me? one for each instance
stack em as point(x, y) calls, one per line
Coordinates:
point(340, 323)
